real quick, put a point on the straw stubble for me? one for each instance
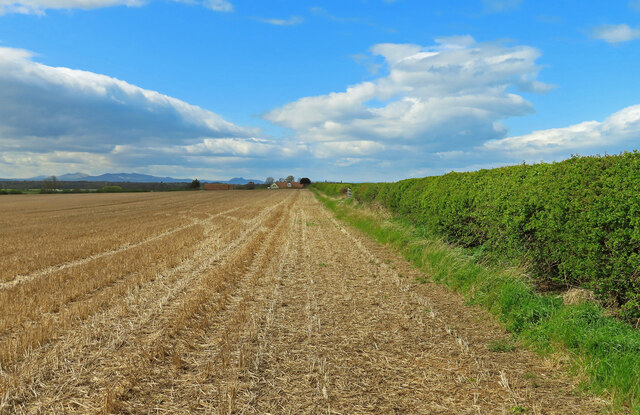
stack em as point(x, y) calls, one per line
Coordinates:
point(240, 302)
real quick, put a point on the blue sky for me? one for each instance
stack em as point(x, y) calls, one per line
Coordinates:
point(339, 90)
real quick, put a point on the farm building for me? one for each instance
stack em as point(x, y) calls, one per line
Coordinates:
point(218, 186)
point(287, 185)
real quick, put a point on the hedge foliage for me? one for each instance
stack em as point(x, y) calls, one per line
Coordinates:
point(576, 222)
point(110, 189)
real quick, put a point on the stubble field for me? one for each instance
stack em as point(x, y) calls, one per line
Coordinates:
point(248, 302)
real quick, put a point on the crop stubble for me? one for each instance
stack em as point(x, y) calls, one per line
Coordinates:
point(239, 302)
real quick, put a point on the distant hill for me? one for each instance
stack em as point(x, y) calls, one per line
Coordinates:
point(128, 177)
point(242, 180)
point(132, 178)
point(72, 177)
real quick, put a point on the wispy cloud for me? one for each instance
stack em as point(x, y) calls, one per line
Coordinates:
point(322, 12)
point(635, 5)
point(368, 61)
point(291, 21)
point(40, 6)
point(218, 5)
point(616, 33)
point(547, 18)
point(497, 6)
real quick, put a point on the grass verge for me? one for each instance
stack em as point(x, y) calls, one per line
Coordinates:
point(602, 350)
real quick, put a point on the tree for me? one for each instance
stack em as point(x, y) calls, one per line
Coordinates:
point(281, 179)
point(289, 179)
point(50, 185)
point(269, 181)
point(195, 184)
point(305, 181)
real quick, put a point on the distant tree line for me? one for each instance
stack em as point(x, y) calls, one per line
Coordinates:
point(51, 186)
point(304, 180)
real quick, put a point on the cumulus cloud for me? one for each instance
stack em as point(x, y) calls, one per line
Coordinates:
point(43, 106)
point(46, 111)
point(616, 33)
point(40, 6)
point(231, 146)
point(447, 96)
point(619, 128)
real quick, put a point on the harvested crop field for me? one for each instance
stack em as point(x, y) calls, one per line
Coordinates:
point(247, 302)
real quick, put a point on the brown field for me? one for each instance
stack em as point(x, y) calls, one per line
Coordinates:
point(247, 302)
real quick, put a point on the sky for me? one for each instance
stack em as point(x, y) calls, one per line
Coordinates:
point(353, 90)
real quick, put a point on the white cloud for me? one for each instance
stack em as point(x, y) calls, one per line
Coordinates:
point(32, 164)
point(46, 111)
point(218, 5)
point(619, 128)
point(231, 146)
point(40, 102)
point(444, 97)
point(357, 148)
point(616, 33)
point(40, 6)
point(291, 21)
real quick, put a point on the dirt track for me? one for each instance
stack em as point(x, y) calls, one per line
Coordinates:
point(276, 308)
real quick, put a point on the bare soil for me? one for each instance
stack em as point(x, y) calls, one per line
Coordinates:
point(273, 307)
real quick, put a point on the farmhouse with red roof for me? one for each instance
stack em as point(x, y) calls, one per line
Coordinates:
point(289, 185)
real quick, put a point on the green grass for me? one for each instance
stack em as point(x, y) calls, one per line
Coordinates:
point(575, 223)
point(18, 191)
point(10, 192)
point(604, 349)
point(501, 346)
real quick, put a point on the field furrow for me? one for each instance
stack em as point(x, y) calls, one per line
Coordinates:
point(132, 312)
